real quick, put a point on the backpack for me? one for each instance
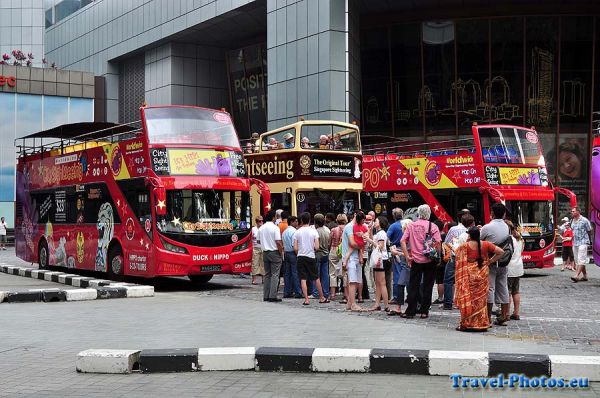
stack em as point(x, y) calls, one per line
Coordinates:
point(509, 249)
point(429, 249)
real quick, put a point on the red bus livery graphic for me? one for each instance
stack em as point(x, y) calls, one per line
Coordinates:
point(499, 163)
point(167, 195)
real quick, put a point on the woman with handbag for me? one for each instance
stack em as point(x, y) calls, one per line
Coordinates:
point(472, 261)
point(377, 261)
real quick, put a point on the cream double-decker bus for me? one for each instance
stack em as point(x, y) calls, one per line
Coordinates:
point(310, 165)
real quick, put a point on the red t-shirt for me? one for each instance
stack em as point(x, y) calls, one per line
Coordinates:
point(358, 239)
point(568, 234)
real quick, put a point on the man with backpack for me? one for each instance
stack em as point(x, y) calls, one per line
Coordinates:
point(497, 232)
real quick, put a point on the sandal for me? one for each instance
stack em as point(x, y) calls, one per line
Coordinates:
point(394, 313)
point(405, 315)
point(344, 301)
point(583, 280)
point(375, 308)
point(387, 309)
point(515, 317)
point(324, 301)
point(305, 303)
point(500, 322)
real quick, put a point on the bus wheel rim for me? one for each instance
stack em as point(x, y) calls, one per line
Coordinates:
point(116, 265)
point(43, 257)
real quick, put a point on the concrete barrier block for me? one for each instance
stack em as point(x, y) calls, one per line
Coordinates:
point(569, 366)
point(169, 360)
point(226, 358)
point(284, 359)
point(139, 291)
point(399, 361)
point(81, 294)
point(107, 361)
point(2, 296)
point(466, 363)
point(48, 275)
point(340, 360)
point(62, 278)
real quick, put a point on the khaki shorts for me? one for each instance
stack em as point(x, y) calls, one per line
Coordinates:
point(258, 266)
point(513, 285)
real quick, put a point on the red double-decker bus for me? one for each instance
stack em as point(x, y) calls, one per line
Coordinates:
point(498, 163)
point(167, 195)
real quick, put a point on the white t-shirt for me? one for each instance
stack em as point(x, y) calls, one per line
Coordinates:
point(515, 266)
point(382, 236)
point(268, 234)
point(305, 236)
point(3, 228)
point(255, 239)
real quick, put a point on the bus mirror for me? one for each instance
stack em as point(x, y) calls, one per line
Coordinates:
point(160, 198)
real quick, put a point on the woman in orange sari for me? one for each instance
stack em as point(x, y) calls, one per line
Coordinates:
point(472, 260)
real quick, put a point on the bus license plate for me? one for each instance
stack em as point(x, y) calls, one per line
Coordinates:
point(210, 268)
point(529, 264)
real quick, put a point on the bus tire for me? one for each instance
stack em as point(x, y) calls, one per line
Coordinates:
point(116, 262)
point(43, 255)
point(200, 279)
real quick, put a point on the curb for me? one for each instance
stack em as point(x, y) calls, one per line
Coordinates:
point(90, 288)
point(336, 360)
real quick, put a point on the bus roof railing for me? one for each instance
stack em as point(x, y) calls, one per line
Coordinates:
point(411, 148)
point(68, 135)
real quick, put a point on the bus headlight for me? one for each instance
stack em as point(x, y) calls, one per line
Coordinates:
point(241, 247)
point(549, 251)
point(173, 248)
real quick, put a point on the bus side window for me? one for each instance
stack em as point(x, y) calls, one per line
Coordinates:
point(138, 198)
point(95, 196)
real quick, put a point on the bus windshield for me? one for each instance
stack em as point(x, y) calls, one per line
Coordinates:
point(206, 211)
point(189, 125)
point(510, 146)
point(534, 217)
point(329, 136)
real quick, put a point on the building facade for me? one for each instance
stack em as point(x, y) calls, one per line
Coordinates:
point(36, 99)
point(401, 69)
point(22, 28)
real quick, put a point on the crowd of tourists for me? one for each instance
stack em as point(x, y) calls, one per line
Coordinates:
point(329, 258)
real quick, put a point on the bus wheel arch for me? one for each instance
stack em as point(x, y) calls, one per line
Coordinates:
point(200, 279)
point(43, 254)
point(115, 261)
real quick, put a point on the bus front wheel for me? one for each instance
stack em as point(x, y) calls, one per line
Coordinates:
point(43, 255)
point(200, 279)
point(115, 262)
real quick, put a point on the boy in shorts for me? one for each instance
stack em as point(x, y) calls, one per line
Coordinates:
point(567, 248)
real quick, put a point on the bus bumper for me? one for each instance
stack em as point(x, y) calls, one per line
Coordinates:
point(539, 259)
point(168, 263)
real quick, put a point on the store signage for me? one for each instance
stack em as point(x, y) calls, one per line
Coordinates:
point(11, 81)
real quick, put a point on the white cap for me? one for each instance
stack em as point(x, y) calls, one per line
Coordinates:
point(565, 219)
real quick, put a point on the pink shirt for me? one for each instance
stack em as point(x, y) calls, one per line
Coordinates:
point(415, 236)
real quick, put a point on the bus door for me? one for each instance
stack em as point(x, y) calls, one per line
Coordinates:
point(473, 201)
point(327, 201)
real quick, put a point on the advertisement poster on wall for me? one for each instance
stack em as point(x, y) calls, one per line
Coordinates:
point(568, 165)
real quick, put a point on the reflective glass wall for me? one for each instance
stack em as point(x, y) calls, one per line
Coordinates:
point(435, 78)
point(23, 114)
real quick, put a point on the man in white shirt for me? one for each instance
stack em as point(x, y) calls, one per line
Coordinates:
point(272, 247)
point(306, 242)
